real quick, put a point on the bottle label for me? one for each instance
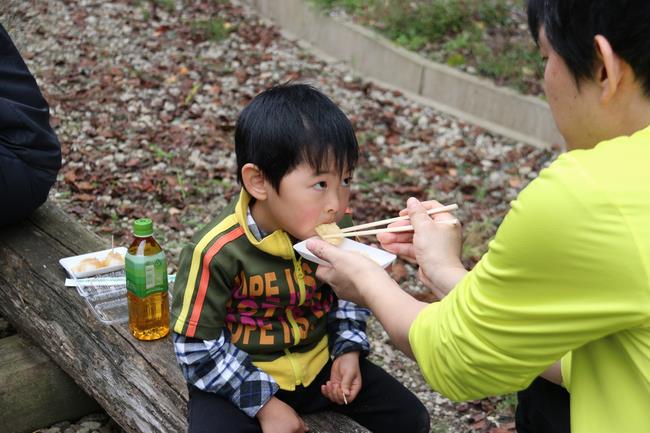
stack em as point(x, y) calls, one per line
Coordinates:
point(146, 275)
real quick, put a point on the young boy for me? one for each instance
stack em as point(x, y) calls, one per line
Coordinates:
point(258, 339)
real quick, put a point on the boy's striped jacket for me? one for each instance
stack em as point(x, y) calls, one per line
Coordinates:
point(248, 316)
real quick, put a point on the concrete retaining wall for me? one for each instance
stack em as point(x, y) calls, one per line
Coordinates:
point(473, 99)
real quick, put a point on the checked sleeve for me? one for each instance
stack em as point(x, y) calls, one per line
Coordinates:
point(219, 366)
point(347, 329)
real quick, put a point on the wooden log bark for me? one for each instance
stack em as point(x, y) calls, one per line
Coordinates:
point(137, 383)
point(34, 391)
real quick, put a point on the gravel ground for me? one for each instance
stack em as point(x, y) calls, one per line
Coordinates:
point(144, 100)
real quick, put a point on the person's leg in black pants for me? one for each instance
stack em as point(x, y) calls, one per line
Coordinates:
point(543, 407)
point(383, 405)
point(209, 413)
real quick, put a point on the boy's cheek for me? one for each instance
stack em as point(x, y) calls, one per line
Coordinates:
point(307, 221)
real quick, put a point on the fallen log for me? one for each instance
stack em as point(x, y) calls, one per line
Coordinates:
point(137, 383)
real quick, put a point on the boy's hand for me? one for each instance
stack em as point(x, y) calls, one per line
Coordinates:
point(345, 379)
point(278, 417)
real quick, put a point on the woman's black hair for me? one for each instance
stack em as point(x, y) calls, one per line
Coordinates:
point(288, 124)
point(571, 25)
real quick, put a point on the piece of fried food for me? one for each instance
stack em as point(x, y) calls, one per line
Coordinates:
point(93, 263)
point(114, 259)
point(332, 231)
point(88, 264)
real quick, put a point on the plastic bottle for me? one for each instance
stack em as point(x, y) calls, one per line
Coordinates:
point(146, 283)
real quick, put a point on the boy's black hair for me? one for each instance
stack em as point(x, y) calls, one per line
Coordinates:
point(293, 123)
point(571, 25)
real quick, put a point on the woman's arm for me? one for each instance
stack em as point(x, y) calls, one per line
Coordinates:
point(360, 280)
point(553, 373)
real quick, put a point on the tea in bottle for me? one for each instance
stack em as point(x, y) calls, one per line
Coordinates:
point(146, 282)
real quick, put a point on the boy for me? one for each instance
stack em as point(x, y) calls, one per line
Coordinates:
point(253, 330)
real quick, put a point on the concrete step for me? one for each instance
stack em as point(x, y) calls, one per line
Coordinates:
point(475, 100)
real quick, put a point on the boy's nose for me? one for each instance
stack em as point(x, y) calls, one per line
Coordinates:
point(333, 204)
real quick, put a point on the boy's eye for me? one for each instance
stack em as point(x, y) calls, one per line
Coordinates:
point(321, 185)
point(346, 182)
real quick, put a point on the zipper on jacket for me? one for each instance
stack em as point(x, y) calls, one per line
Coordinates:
point(297, 371)
point(295, 329)
point(300, 278)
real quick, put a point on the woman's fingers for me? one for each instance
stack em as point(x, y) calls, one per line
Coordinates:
point(319, 247)
point(417, 213)
point(404, 250)
point(395, 238)
point(429, 204)
point(398, 243)
point(324, 250)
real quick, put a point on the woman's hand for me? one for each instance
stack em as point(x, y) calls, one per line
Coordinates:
point(358, 279)
point(434, 245)
point(346, 271)
point(345, 379)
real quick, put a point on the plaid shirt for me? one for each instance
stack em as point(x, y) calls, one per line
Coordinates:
point(219, 366)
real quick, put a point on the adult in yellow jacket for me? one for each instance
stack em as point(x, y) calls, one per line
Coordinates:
point(567, 276)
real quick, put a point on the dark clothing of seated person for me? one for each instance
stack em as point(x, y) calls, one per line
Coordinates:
point(30, 153)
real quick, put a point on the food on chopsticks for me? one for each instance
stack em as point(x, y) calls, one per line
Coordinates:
point(330, 233)
point(334, 235)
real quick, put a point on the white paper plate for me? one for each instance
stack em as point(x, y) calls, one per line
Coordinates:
point(383, 258)
point(70, 263)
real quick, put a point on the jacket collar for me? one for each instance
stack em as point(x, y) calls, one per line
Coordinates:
point(277, 243)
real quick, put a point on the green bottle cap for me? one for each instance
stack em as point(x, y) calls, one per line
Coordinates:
point(143, 227)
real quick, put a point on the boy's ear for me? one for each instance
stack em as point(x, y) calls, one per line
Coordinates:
point(254, 181)
point(609, 73)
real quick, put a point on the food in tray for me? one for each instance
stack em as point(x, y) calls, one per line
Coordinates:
point(330, 233)
point(94, 263)
point(89, 264)
point(113, 258)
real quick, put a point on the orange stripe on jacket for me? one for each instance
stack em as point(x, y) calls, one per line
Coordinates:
point(205, 277)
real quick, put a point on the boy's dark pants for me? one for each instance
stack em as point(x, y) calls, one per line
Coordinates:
point(382, 405)
point(544, 407)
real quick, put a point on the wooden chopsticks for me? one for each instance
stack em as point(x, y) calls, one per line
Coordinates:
point(358, 229)
point(433, 211)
